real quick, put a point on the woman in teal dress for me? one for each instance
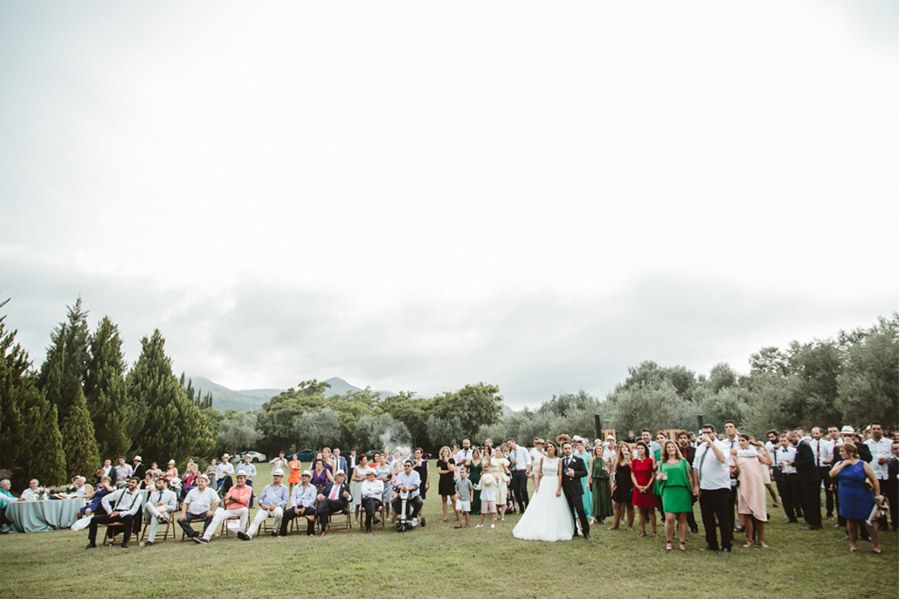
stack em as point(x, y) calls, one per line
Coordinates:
point(600, 489)
point(475, 477)
point(586, 497)
point(676, 481)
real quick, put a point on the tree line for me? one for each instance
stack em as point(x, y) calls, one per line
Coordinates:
point(83, 403)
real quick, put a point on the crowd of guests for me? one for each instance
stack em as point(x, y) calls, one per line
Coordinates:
point(651, 477)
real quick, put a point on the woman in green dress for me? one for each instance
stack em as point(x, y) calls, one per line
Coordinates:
point(676, 480)
point(586, 496)
point(475, 477)
point(601, 507)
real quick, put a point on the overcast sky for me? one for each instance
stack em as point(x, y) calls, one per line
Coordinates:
point(415, 196)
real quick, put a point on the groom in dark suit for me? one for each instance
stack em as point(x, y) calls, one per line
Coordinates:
point(573, 470)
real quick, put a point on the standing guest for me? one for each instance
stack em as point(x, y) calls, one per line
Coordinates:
point(601, 505)
point(272, 501)
point(642, 469)
point(6, 497)
point(32, 492)
point(712, 477)
point(95, 504)
point(334, 498)
point(497, 467)
point(622, 487)
point(534, 455)
point(121, 506)
point(420, 465)
point(107, 468)
point(237, 502)
point(889, 489)
point(357, 477)
point(834, 440)
point(822, 449)
point(340, 462)
point(352, 460)
point(321, 475)
point(191, 472)
point(487, 487)
point(160, 504)
point(223, 471)
point(123, 471)
point(200, 504)
point(855, 499)
point(154, 470)
point(688, 451)
point(295, 467)
point(487, 450)
point(138, 468)
point(302, 504)
point(880, 448)
point(610, 450)
point(171, 471)
point(653, 448)
point(383, 474)
point(211, 470)
point(587, 497)
point(329, 459)
point(464, 489)
point(790, 483)
point(475, 470)
point(408, 480)
point(464, 456)
point(280, 463)
point(249, 469)
point(676, 485)
point(752, 459)
point(772, 445)
point(372, 493)
point(520, 465)
point(808, 476)
point(446, 489)
point(731, 440)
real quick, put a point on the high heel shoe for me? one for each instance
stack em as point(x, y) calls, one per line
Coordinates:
point(682, 547)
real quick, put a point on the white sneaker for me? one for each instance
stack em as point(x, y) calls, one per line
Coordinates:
point(479, 526)
point(493, 526)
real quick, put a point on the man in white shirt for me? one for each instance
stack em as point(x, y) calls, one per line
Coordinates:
point(880, 447)
point(200, 504)
point(272, 501)
point(372, 492)
point(463, 458)
point(159, 505)
point(823, 451)
point(790, 481)
point(223, 470)
point(30, 494)
point(712, 469)
point(302, 504)
point(520, 466)
point(122, 506)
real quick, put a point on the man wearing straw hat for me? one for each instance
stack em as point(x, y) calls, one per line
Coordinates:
point(236, 502)
point(272, 501)
point(302, 504)
point(333, 498)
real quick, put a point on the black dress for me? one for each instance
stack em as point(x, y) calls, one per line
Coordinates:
point(446, 485)
point(624, 484)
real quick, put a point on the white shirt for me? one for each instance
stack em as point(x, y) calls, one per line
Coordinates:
point(29, 495)
point(122, 501)
point(224, 469)
point(822, 450)
point(522, 460)
point(463, 458)
point(789, 453)
point(535, 456)
point(609, 455)
point(879, 449)
point(303, 496)
point(771, 448)
point(374, 489)
point(169, 499)
point(714, 475)
point(248, 468)
point(200, 502)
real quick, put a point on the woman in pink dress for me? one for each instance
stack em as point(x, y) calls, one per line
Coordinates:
point(751, 459)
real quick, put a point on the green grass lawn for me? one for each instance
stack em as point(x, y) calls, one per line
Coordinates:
point(438, 561)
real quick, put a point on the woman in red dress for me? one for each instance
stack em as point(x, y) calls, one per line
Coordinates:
point(643, 468)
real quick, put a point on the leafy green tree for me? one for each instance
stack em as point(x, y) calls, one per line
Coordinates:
point(237, 431)
point(472, 407)
point(14, 368)
point(378, 432)
point(413, 413)
point(868, 385)
point(445, 431)
point(79, 443)
point(317, 429)
point(105, 390)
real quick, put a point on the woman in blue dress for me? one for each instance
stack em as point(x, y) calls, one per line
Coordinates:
point(855, 500)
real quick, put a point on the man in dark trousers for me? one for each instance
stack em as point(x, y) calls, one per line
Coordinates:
point(122, 507)
point(808, 475)
point(712, 471)
point(573, 470)
point(333, 499)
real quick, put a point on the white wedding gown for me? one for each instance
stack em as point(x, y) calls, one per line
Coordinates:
point(547, 517)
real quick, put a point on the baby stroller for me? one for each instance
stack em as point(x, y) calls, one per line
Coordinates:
point(404, 523)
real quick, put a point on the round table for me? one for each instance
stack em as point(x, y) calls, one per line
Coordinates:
point(43, 515)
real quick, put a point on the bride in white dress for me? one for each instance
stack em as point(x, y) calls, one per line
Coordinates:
point(548, 517)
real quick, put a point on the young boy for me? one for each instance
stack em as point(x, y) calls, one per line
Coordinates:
point(488, 487)
point(464, 489)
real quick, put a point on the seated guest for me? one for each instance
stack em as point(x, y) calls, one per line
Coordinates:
point(302, 504)
point(138, 468)
point(272, 501)
point(149, 483)
point(80, 490)
point(94, 505)
point(371, 491)
point(5, 497)
point(199, 504)
point(159, 504)
point(154, 470)
point(223, 470)
point(408, 480)
point(171, 472)
point(32, 492)
point(333, 499)
point(236, 501)
point(122, 472)
point(122, 506)
point(190, 480)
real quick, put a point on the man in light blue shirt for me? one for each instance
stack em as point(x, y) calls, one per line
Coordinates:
point(159, 506)
point(302, 504)
point(272, 501)
point(408, 480)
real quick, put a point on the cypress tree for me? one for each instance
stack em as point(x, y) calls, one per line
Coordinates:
point(62, 374)
point(79, 443)
point(41, 453)
point(14, 365)
point(104, 388)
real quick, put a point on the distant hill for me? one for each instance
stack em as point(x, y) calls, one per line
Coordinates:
point(340, 386)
